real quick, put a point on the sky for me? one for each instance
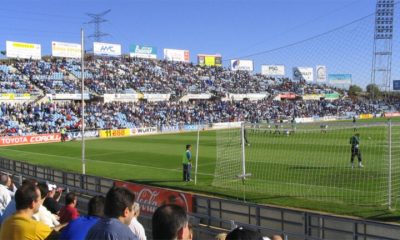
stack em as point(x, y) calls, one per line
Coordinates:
point(233, 28)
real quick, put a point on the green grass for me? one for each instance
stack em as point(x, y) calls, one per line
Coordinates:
point(309, 161)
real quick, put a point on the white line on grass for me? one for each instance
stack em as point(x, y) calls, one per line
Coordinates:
point(92, 160)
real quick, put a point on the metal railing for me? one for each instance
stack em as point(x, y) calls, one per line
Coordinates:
point(212, 215)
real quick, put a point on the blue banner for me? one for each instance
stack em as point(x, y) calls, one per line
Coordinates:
point(339, 78)
point(141, 51)
point(396, 84)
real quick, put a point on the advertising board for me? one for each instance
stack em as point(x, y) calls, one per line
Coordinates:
point(176, 55)
point(32, 139)
point(242, 65)
point(106, 49)
point(321, 73)
point(150, 198)
point(67, 50)
point(339, 78)
point(273, 70)
point(209, 60)
point(23, 50)
point(141, 51)
point(303, 73)
point(114, 133)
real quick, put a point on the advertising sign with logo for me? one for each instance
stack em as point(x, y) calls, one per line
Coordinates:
point(209, 60)
point(23, 50)
point(392, 114)
point(15, 96)
point(114, 133)
point(321, 73)
point(78, 134)
point(176, 55)
point(67, 50)
point(33, 139)
point(107, 49)
point(273, 70)
point(344, 79)
point(141, 51)
point(242, 65)
point(303, 73)
point(312, 96)
point(150, 198)
point(332, 96)
point(396, 84)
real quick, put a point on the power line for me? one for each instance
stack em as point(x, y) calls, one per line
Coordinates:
point(304, 40)
point(97, 19)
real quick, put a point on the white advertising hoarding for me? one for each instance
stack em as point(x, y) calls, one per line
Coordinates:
point(242, 65)
point(321, 73)
point(176, 55)
point(67, 50)
point(23, 50)
point(273, 70)
point(303, 73)
point(107, 49)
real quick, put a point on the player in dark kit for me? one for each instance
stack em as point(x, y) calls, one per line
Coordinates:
point(355, 150)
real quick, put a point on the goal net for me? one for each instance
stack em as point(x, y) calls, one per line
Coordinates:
point(313, 161)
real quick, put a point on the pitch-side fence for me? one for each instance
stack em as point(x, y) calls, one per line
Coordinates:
point(211, 215)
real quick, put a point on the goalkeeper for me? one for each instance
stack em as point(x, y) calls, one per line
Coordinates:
point(355, 150)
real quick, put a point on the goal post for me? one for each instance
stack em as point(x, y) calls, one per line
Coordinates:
point(312, 161)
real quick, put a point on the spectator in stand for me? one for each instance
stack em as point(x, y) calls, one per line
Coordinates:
point(118, 211)
point(69, 211)
point(78, 229)
point(5, 194)
point(241, 233)
point(21, 225)
point(51, 201)
point(170, 222)
point(11, 207)
point(135, 226)
point(44, 215)
point(276, 237)
point(220, 236)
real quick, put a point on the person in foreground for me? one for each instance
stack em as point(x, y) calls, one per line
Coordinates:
point(21, 225)
point(118, 211)
point(170, 222)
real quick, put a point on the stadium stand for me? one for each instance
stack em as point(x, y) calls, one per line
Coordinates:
point(158, 76)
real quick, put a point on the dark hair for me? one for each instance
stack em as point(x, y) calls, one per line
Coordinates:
point(29, 181)
point(44, 189)
point(70, 198)
point(96, 206)
point(188, 146)
point(3, 179)
point(117, 200)
point(241, 233)
point(167, 220)
point(25, 195)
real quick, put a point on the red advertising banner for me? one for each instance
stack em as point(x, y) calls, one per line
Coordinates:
point(150, 198)
point(288, 96)
point(392, 114)
point(41, 138)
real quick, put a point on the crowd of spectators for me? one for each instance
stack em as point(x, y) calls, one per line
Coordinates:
point(158, 76)
point(26, 118)
point(24, 215)
point(148, 76)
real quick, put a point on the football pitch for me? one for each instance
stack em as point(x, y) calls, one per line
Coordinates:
point(309, 169)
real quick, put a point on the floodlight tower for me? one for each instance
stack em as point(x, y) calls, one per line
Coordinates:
point(382, 56)
point(96, 20)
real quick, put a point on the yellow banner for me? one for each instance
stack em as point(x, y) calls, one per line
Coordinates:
point(23, 45)
point(366, 116)
point(114, 133)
